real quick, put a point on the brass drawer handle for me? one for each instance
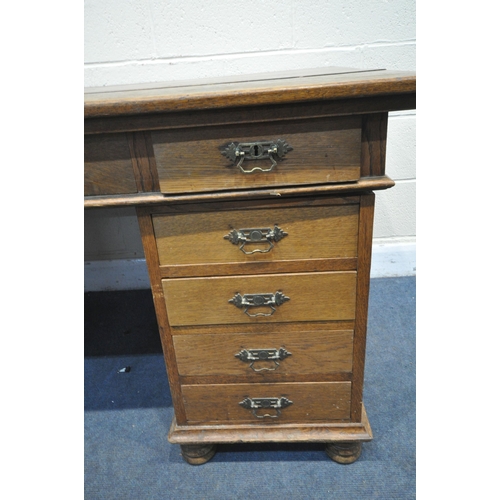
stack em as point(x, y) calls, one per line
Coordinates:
point(275, 403)
point(258, 235)
point(253, 355)
point(260, 150)
point(258, 300)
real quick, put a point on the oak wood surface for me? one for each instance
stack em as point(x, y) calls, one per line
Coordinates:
point(108, 165)
point(259, 267)
point(324, 151)
point(239, 202)
point(143, 161)
point(170, 139)
point(148, 241)
point(323, 401)
point(259, 432)
point(373, 145)
point(252, 114)
point(313, 297)
point(258, 329)
point(312, 233)
point(362, 295)
point(265, 377)
point(99, 102)
point(316, 352)
point(151, 199)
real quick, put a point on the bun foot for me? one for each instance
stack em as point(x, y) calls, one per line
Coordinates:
point(344, 452)
point(197, 454)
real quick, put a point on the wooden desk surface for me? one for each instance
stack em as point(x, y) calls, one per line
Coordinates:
point(247, 90)
point(121, 163)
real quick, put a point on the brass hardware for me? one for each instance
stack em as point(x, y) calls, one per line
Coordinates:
point(259, 300)
point(260, 150)
point(257, 235)
point(253, 355)
point(256, 403)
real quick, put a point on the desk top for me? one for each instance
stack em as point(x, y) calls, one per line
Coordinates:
point(247, 90)
point(127, 127)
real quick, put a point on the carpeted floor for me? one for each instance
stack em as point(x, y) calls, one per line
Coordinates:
point(128, 414)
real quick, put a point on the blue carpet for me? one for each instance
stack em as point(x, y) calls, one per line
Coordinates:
point(128, 415)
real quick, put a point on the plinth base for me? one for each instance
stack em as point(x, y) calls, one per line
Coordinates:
point(343, 440)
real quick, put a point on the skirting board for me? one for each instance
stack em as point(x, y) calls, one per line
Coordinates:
point(393, 259)
point(388, 260)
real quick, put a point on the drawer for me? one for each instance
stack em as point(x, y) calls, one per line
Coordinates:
point(326, 296)
point(323, 150)
point(293, 353)
point(277, 234)
point(288, 402)
point(107, 165)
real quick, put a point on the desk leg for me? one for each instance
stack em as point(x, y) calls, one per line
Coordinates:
point(197, 454)
point(344, 452)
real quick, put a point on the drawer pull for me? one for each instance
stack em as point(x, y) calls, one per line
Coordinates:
point(275, 403)
point(258, 235)
point(261, 150)
point(259, 300)
point(253, 355)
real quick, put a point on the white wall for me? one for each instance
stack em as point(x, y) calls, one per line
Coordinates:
point(134, 41)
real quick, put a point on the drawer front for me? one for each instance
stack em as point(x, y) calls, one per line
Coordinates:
point(328, 296)
point(290, 402)
point(324, 150)
point(108, 165)
point(294, 353)
point(257, 235)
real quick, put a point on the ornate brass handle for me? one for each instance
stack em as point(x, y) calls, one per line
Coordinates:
point(259, 300)
point(255, 403)
point(253, 355)
point(258, 235)
point(260, 150)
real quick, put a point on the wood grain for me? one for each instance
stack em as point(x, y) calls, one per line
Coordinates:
point(155, 200)
point(317, 352)
point(148, 242)
point(158, 147)
point(312, 233)
point(373, 144)
point(275, 378)
point(256, 432)
point(239, 202)
point(313, 297)
point(108, 165)
point(143, 161)
point(269, 90)
point(323, 401)
point(324, 151)
point(260, 267)
point(257, 328)
point(254, 114)
point(362, 294)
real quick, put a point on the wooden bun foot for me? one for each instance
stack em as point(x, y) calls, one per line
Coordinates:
point(344, 452)
point(197, 454)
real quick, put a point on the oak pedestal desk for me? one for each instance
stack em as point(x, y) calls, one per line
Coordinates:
point(255, 202)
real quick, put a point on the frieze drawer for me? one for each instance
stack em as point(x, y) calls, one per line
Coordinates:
point(285, 153)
